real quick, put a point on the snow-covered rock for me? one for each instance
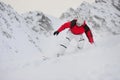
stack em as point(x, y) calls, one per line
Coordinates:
point(38, 22)
point(69, 14)
point(115, 3)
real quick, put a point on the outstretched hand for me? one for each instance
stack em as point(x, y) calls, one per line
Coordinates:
point(56, 33)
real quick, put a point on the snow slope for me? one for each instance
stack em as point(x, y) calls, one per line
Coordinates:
point(100, 62)
point(27, 54)
point(19, 42)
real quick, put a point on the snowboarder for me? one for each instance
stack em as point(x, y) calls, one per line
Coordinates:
point(76, 28)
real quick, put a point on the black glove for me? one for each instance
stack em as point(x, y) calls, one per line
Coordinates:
point(56, 33)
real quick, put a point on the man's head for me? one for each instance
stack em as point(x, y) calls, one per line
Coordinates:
point(79, 21)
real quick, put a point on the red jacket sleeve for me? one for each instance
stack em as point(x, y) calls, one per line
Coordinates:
point(88, 33)
point(64, 26)
point(89, 36)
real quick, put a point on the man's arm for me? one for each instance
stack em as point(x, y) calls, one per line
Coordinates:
point(64, 26)
point(88, 34)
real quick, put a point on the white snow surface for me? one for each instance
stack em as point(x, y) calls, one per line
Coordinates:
point(94, 62)
point(28, 55)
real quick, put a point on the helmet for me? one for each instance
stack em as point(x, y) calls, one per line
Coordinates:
point(79, 21)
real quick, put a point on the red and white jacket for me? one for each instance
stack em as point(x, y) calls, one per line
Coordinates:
point(77, 30)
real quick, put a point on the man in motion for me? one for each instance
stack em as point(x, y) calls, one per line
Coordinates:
point(76, 28)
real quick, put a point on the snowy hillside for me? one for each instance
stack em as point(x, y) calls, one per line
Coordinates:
point(104, 15)
point(100, 62)
point(18, 38)
point(27, 26)
point(28, 48)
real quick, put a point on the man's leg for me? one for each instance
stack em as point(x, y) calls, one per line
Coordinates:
point(80, 42)
point(63, 46)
